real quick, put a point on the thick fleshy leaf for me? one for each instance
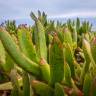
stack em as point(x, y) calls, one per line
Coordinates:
point(42, 89)
point(8, 85)
point(67, 75)
point(69, 58)
point(45, 70)
point(56, 61)
point(93, 49)
point(9, 63)
point(16, 54)
point(16, 88)
point(87, 54)
point(59, 90)
point(87, 84)
point(93, 87)
point(67, 37)
point(77, 25)
point(6, 61)
point(41, 43)
point(26, 84)
point(61, 36)
point(2, 55)
point(26, 44)
point(74, 35)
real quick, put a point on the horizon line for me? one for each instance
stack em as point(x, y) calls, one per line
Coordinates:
point(67, 15)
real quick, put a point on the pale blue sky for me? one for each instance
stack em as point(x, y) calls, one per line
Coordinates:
point(20, 9)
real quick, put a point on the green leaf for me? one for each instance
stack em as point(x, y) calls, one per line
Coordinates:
point(93, 87)
point(42, 40)
point(74, 35)
point(56, 61)
point(87, 54)
point(9, 63)
point(16, 88)
point(87, 84)
point(33, 16)
point(26, 44)
point(59, 90)
point(69, 58)
point(45, 70)
point(2, 55)
point(77, 25)
point(6, 61)
point(67, 37)
point(41, 45)
point(8, 85)
point(67, 75)
point(42, 89)
point(61, 36)
point(26, 84)
point(93, 49)
point(20, 59)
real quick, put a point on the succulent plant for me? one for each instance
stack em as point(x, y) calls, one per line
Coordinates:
point(49, 59)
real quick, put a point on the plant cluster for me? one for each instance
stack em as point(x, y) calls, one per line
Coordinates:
point(48, 59)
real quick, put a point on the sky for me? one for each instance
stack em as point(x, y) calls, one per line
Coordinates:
point(20, 9)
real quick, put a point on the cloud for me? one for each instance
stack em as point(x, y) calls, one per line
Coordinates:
point(75, 14)
point(17, 9)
